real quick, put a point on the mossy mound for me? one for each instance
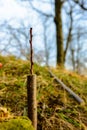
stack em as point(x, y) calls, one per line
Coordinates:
point(57, 109)
point(20, 123)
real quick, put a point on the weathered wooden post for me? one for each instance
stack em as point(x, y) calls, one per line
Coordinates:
point(31, 89)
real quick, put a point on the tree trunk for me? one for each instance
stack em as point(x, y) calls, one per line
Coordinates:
point(59, 33)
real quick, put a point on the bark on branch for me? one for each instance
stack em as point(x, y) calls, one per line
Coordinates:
point(31, 52)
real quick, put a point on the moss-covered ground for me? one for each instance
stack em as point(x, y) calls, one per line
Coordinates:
point(57, 109)
point(18, 123)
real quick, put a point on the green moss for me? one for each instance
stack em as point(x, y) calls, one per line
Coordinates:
point(16, 124)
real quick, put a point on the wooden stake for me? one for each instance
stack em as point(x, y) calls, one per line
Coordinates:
point(31, 89)
point(32, 103)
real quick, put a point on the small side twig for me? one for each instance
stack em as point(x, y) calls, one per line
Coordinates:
point(31, 52)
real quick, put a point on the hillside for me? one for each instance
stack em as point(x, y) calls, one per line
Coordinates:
point(57, 109)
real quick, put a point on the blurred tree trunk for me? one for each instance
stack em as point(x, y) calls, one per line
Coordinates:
point(73, 59)
point(59, 32)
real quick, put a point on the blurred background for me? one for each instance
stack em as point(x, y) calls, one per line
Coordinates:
point(59, 31)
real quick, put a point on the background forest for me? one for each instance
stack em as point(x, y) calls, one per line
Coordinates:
point(59, 31)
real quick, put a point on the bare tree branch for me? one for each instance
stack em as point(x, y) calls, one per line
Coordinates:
point(69, 37)
point(39, 11)
point(82, 4)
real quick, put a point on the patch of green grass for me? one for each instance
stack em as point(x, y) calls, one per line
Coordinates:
point(69, 119)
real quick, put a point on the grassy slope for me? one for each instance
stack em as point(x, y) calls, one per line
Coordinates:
point(57, 110)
